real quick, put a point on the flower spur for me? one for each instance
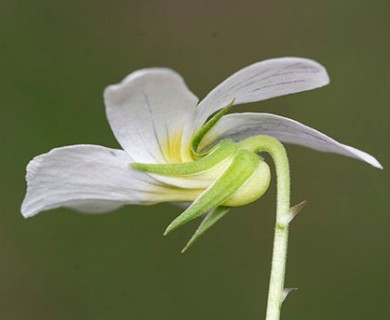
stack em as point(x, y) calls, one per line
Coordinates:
point(175, 155)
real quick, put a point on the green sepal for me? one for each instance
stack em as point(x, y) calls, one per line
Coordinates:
point(209, 220)
point(241, 168)
point(223, 150)
point(206, 128)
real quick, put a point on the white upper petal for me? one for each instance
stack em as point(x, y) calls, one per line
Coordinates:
point(88, 178)
point(147, 108)
point(244, 125)
point(263, 80)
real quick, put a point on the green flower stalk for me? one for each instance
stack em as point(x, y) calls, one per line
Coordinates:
point(178, 150)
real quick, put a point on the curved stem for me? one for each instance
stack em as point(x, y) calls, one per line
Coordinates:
point(283, 217)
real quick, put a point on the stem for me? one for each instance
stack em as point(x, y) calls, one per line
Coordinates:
point(279, 255)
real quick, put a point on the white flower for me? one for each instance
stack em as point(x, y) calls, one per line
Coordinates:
point(155, 118)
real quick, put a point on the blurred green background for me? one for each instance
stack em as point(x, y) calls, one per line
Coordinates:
point(56, 57)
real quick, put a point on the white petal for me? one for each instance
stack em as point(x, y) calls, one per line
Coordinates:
point(88, 178)
point(263, 80)
point(244, 125)
point(147, 109)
